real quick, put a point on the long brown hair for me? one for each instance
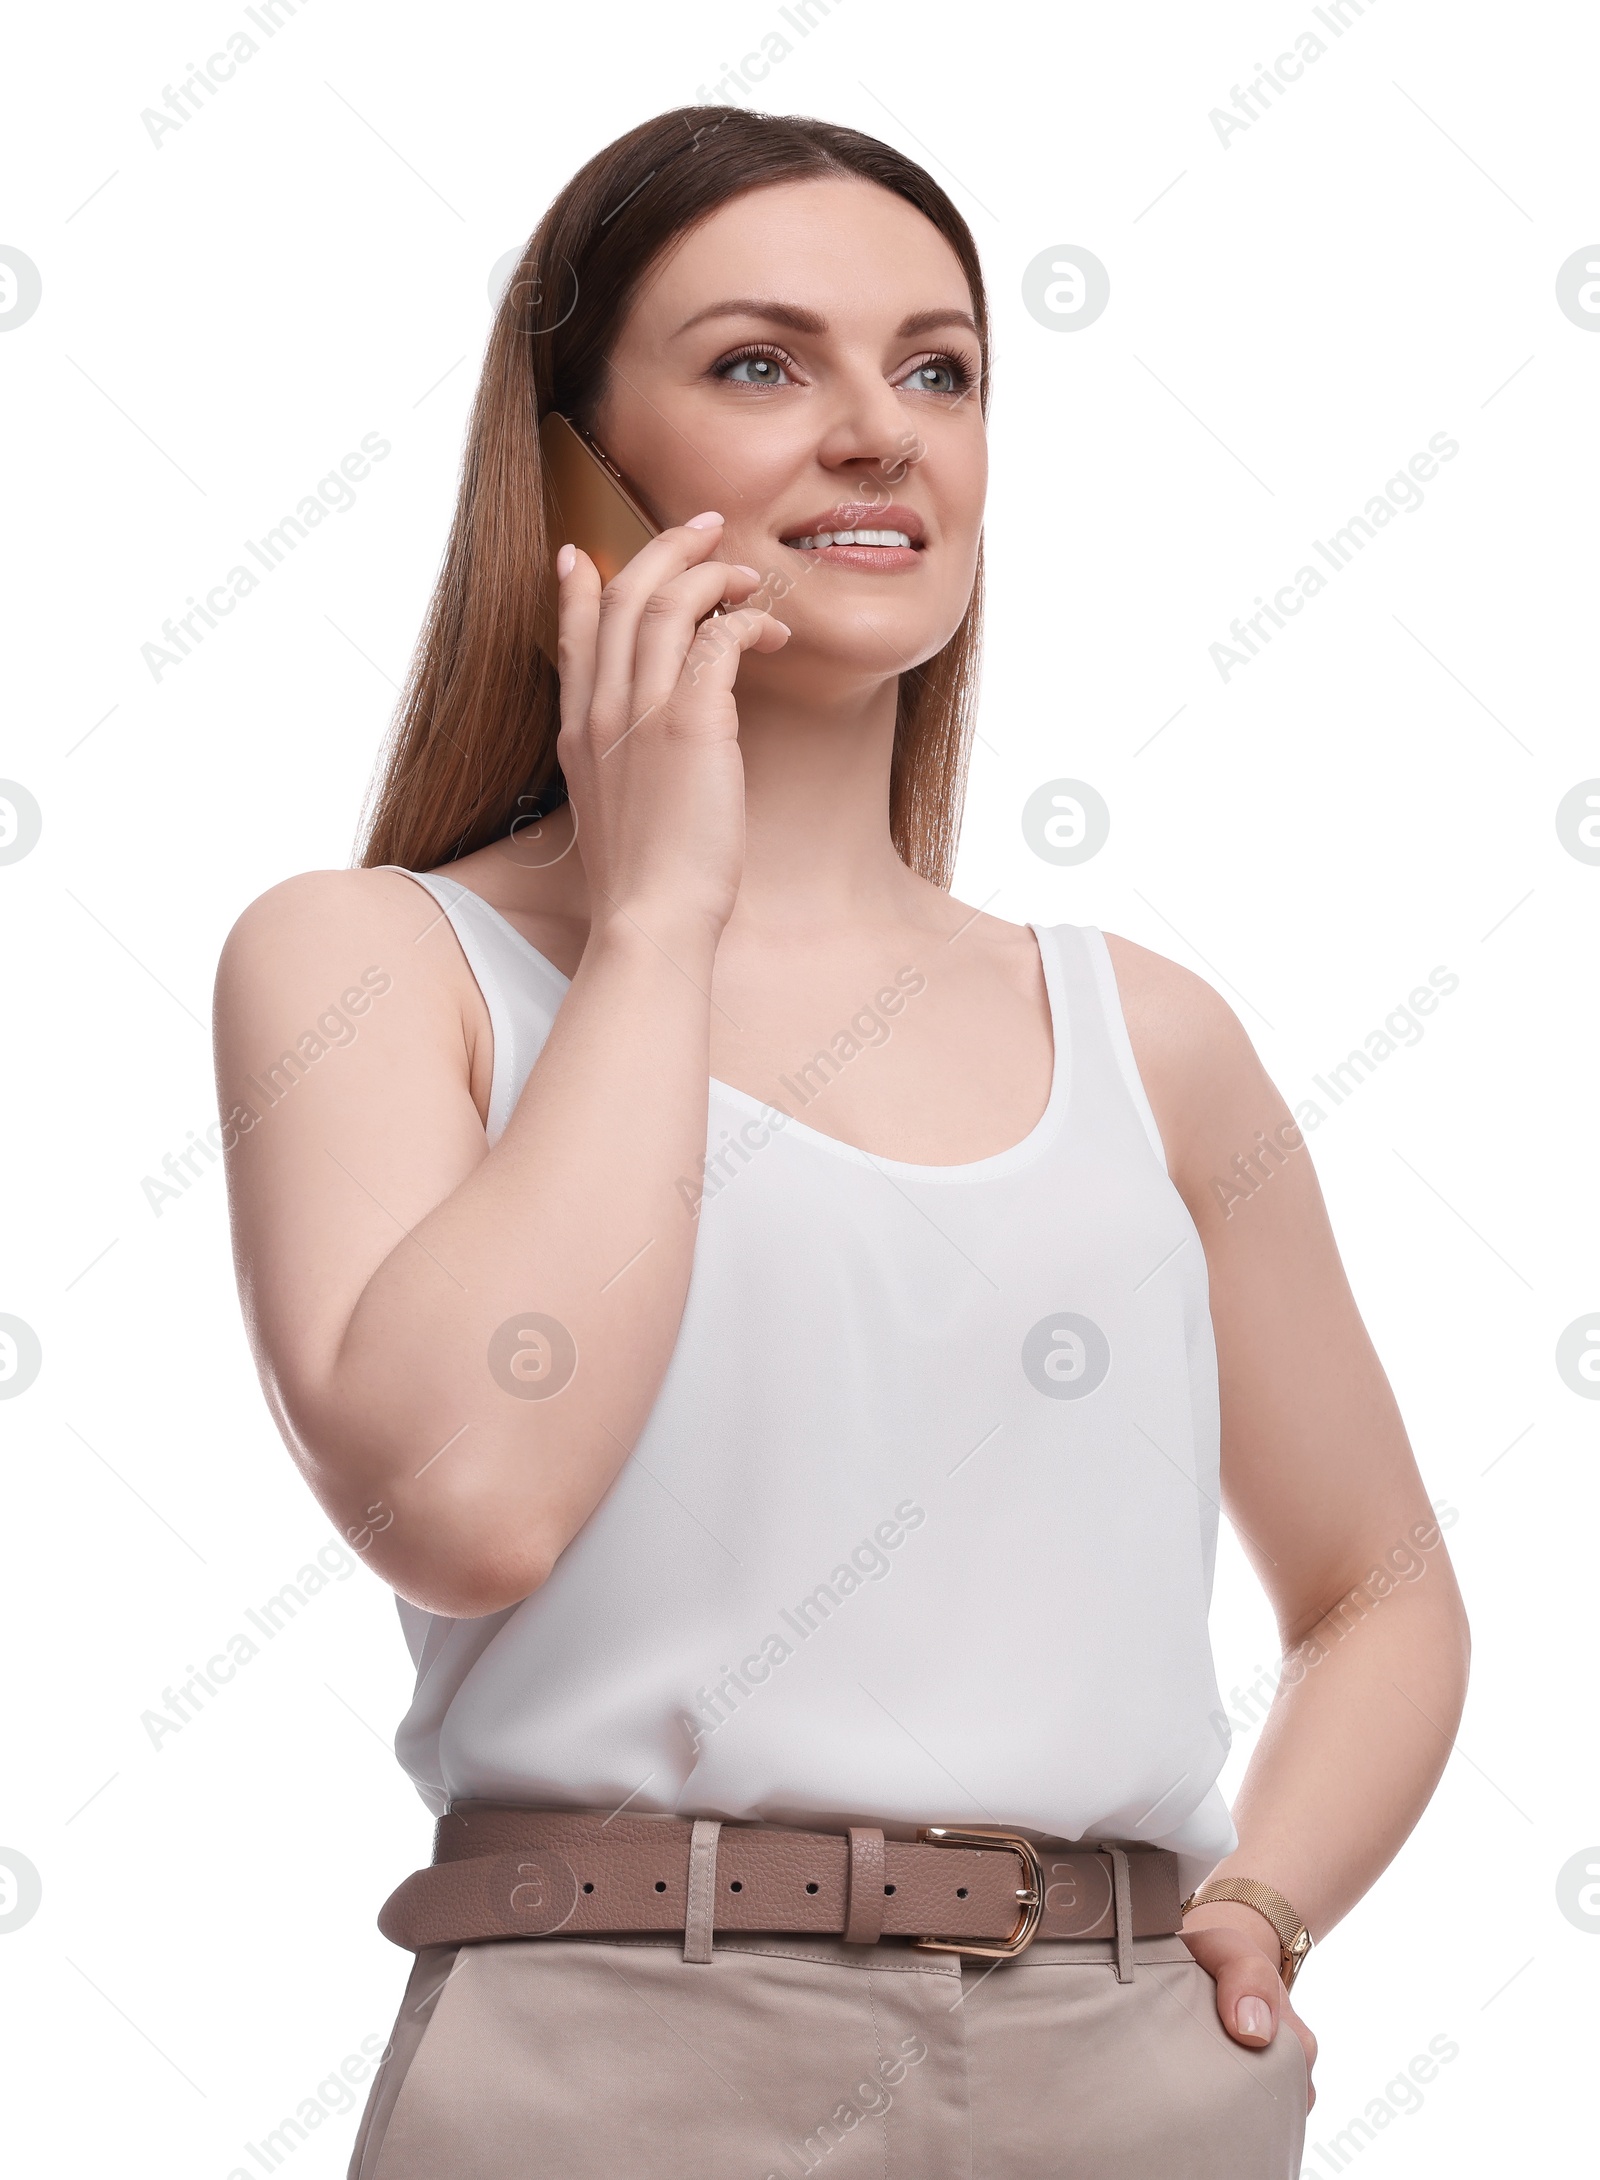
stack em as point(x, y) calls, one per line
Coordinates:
point(473, 745)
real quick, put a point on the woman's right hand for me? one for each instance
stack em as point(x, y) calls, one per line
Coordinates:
point(649, 741)
point(387, 1363)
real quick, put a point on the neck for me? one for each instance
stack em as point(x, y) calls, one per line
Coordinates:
point(818, 856)
point(817, 765)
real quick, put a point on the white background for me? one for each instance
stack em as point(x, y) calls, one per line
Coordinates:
point(1292, 316)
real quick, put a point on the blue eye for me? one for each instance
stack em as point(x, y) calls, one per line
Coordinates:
point(755, 369)
point(940, 375)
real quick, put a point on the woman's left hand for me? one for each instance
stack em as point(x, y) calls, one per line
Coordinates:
point(1251, 2000)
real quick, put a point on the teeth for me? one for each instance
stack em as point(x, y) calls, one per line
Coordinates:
point(824, 538)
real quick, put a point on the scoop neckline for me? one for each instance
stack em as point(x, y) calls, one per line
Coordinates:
point(1019, 1153)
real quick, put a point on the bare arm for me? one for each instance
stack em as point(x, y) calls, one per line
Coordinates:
point(1319, 1480)
point(383, 1250)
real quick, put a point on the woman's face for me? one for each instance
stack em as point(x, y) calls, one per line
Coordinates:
point(805, 362)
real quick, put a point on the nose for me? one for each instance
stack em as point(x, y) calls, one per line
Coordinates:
point(868, 428)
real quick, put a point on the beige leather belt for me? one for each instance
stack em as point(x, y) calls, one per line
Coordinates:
point(501, 1871)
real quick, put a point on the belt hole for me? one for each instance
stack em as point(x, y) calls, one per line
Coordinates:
point(812, 1886)
point(888, 1888)
point(961, 1892)
point(736, 1886)
point(588, 1888)
point(661, 1884)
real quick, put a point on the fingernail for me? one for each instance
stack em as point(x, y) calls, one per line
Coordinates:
point(1254, 2018)
point(566, 560)
point(754, 574)
point(703, 522)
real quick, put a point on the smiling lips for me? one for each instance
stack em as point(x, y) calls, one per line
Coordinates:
point(857, 536)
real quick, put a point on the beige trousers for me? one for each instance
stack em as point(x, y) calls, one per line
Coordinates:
point(550, 2059)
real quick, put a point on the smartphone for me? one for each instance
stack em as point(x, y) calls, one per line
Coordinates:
point(590, 507)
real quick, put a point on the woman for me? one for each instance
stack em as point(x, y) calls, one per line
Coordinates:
point(783, 1333)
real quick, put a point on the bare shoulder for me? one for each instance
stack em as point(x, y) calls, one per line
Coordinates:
point(319, 933)
point(1202, 1074)
point(321, 918)
point(1174, 1012)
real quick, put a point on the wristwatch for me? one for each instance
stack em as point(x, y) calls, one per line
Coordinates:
point(1293, 1937)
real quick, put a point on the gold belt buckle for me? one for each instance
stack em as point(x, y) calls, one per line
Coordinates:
point(1030, 1897)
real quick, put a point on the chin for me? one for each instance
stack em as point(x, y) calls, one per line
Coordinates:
point(869, 637)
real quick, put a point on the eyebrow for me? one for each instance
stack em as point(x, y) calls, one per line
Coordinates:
point(810, 321)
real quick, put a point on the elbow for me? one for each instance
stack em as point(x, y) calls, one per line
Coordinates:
point(453, 1539)
point(503, 1582)
point(471, 1584)
point(1456, 1631)
point(1445, 1651)
point(1463, 1641)
point(442, 1540)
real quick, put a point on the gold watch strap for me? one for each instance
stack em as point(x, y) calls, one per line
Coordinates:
point(1294, 1939)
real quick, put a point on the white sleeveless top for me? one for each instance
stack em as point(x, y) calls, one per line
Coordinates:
point(922, 1524)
